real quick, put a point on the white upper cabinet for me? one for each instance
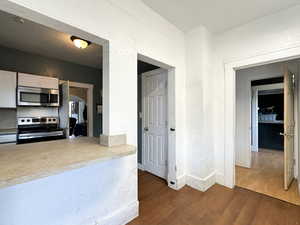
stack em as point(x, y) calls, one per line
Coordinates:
point(7, 89)
point(29, 80)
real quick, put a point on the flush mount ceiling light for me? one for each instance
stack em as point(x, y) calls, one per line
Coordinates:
point(80, 43)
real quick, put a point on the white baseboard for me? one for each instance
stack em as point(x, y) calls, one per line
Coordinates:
point(220, 179)
point(121, 216)
point(141, 167)
point(201, 184)
point(243, 164)
point(180, 183)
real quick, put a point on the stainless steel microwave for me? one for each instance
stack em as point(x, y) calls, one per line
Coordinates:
point(31, 96)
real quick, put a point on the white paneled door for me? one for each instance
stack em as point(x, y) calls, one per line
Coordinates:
point(155, 123)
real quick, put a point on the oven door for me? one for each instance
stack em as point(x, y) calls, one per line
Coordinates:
point(37, 97)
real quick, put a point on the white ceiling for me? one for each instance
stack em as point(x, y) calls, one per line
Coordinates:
point(216, 15)
point(35, 38)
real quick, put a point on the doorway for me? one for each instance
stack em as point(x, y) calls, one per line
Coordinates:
point(265, 163)
point(156, 119)
point(153, 119)
point(78, 112)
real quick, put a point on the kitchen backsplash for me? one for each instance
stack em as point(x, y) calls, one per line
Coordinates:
point(37, 112)
point(8, 118)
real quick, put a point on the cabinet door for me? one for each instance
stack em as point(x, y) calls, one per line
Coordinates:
point(30, 80)
point(7, 89)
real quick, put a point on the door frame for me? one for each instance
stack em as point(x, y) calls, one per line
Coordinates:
point(230, 103)
point(90, 102)
point(151, 73)
point(173, 181)
point(254, 116)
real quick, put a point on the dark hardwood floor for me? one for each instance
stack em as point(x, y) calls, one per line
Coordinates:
point(160, 205)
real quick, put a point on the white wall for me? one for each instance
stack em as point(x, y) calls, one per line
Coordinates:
point(102, 193)
point(199, 139)
point(269, 34)
point(243, 107)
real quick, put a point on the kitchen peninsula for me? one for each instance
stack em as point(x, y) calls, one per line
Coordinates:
point(23, 163)
point(82, 174)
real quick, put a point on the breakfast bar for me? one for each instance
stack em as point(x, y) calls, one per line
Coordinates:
point(70, 181)
point(23, 163)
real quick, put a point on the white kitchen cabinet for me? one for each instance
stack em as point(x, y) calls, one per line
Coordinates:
point(7, 89)
point(30, 80)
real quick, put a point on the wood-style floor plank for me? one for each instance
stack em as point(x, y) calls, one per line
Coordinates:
point(160, 205)
point(266, 176)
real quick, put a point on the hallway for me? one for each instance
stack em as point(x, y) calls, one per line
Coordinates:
point(160, 205)
point(266, 176)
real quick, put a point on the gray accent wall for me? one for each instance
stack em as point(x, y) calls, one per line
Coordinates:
point(19, 61)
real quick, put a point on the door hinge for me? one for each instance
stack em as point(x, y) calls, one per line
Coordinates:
point(175, 168)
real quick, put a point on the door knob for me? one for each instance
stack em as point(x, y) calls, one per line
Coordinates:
point(146, 129)
point(285, 134)
point(172, 129)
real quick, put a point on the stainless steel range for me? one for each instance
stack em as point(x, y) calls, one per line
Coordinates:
point(34, 129)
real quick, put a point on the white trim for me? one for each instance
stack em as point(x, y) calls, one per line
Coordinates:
point(201, 184)
point(121, 216)
point(180, 183)
point(230, 104)
point(243, 164)
point(141, 167)
point(296, 118)
point(90, 106)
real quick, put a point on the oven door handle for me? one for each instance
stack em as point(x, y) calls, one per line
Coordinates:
point(40, 135)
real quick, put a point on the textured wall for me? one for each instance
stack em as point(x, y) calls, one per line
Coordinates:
point(199, 107)
point(101, 193)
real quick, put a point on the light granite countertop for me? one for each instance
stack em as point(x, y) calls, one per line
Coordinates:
point(26, 162)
